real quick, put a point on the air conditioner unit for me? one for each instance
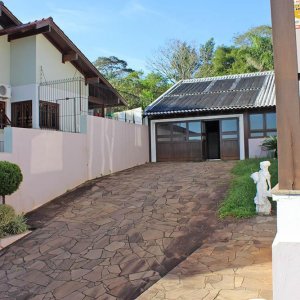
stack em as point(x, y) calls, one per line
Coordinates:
point(5, 91)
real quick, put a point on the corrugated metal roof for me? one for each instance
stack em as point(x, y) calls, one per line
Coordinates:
point(241, 91)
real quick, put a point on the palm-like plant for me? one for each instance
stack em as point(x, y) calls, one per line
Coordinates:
point(270, 144)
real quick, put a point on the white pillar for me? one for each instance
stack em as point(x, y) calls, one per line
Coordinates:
point(286, 246)
point(36, 108)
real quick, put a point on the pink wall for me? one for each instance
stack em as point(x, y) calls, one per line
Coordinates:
point(115, 146)
point(255, 150)
point(53, 162)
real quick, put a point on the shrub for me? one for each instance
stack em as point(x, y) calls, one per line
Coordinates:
point(10, 178)
point(16, 226)
point(7, 214)
point(270, 144)
point(10, 223)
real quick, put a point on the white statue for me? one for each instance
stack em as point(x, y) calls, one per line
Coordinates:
point(262, 179)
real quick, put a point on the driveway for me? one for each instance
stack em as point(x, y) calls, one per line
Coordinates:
point(113, 237)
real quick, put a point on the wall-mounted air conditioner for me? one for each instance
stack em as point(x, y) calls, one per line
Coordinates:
point(5, 91)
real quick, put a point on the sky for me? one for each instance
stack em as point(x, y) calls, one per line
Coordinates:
point(133, 30)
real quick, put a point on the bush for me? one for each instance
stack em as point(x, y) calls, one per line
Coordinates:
point(16, 226)
point(10, 178)
point(270, 144)
point(10, 223)
point(7, 214)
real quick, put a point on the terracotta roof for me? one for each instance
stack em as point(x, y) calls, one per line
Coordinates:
point(242, 91)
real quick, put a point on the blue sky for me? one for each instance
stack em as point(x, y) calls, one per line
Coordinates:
point(134, 29)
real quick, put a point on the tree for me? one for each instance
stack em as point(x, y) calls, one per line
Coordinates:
point(260, 54)
point(245, 39)
point(251, 52)
point(112, 67)
point(257, 47)
point(139, 90)
point(206, 54)
point(223, 60)
point(153, 86)
point(10, 178)
point(176, 61)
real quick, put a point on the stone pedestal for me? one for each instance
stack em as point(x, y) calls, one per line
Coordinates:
point(286, 246)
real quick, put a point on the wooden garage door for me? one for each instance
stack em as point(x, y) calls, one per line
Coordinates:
point(179, 141)
point(230, 145)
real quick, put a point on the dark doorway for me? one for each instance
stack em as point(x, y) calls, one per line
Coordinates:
point(213, 139)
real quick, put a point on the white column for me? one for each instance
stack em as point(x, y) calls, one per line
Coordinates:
point(286, 246)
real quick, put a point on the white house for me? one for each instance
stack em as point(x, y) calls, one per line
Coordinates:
point(45, 80)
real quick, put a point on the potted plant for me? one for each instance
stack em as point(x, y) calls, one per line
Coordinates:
point(270, 144)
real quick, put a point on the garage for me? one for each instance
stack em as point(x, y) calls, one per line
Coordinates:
point(226, 117)
point(197, 140)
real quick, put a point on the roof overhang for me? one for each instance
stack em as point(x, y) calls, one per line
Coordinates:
point(14, 29)
point(7, 19)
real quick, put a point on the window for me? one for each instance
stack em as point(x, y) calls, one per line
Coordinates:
point(256, 122)
point(49, 115)
point(179, 132)
point(194, 131)
point(21, 114)
point(262, 125)
point(229, 125)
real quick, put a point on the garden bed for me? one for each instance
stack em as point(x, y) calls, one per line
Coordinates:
point(239, 200)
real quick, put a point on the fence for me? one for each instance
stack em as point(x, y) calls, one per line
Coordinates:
point(62, 103)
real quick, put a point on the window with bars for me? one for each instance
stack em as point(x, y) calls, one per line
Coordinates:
point(21, 114)
point(262, 125)
point(49, 115)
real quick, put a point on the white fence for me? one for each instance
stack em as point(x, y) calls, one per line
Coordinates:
point(53, 162)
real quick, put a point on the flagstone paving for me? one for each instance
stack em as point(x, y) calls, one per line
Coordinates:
point(115, 236)
point(234, 263)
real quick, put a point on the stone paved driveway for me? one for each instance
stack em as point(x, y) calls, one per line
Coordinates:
point(115, 236)
point(234, 263)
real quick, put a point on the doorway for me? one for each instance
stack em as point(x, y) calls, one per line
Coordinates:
point(213, 139)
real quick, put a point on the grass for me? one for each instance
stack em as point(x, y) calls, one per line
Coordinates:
point(239, 202)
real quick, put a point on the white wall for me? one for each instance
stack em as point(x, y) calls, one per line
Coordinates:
point(53, 162)
point(4, 60)
point(49, 59)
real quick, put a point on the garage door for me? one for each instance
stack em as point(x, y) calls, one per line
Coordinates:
point(179, 141)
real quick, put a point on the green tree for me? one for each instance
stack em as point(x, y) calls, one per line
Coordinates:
point(223, 60)
point(245, 39)
point(112, 67)
point(177, 60)
point(256, 46)
point(153, 85)
point(260, 54)
point(139, 90)
point(206, 54)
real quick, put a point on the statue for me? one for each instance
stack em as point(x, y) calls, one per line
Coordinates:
point(262, 179)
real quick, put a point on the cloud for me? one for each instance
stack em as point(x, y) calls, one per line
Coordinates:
point(76, 20)
point(135, 7)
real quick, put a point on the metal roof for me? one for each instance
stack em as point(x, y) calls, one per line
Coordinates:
point(242, 91)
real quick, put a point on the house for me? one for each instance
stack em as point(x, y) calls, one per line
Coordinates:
point(45, 80)
point(223, 117)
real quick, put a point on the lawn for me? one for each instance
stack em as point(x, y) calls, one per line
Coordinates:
point(239, 202)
